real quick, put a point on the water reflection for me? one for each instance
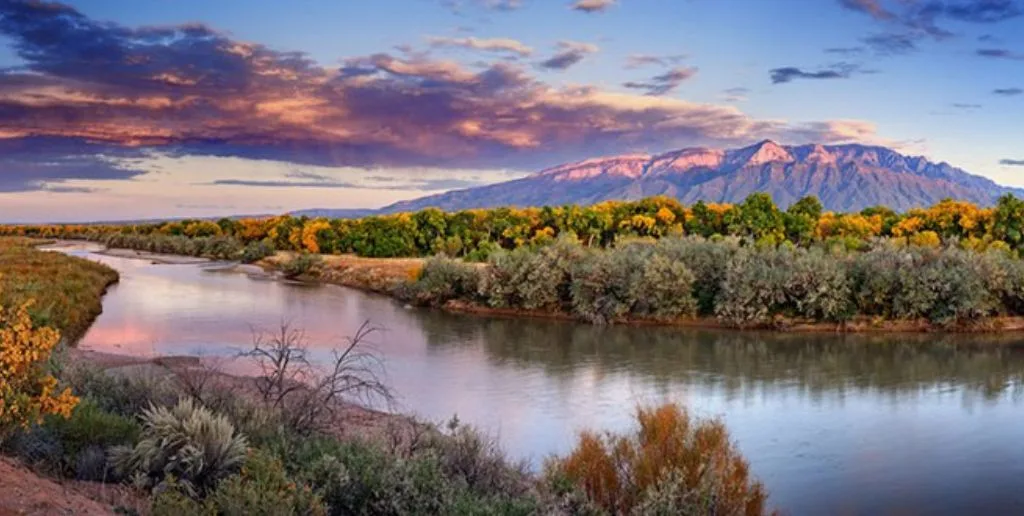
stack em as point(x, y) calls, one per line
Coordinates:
point(832, 423)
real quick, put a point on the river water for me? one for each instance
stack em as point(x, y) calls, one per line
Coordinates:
point(832, 424)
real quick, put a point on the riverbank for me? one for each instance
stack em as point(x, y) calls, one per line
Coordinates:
point(66, 292)
point(378, 275)
point(140, 411)
point(392, 276)
point(164, 259)
point(388, 276)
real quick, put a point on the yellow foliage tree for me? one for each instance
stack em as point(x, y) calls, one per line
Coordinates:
point(27, 391)
point(926, 239)
point(310, 232)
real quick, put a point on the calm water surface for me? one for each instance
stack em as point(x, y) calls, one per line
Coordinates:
point(831, 424)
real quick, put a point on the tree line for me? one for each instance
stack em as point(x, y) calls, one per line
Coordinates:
point(475, 234)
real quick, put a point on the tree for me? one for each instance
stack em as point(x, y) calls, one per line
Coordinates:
point(1008, 221)
point(430, 229)
point(759, 218)
point(801, 219)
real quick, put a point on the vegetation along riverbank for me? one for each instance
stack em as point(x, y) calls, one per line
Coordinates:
point(102, 434)
point(953, 266)
point(65, 292)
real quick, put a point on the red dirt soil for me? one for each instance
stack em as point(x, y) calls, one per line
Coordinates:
point(22, 492)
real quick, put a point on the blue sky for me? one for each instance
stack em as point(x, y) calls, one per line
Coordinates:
point(111, 108)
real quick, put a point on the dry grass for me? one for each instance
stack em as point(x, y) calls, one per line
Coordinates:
point(371, 274)
point(67, 291)
point(670, 460)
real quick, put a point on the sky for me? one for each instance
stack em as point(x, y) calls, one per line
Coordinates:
point(117, 109)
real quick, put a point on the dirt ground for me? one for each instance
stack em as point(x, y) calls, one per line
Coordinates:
point(23, 492)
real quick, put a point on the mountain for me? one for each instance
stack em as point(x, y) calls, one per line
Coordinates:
point(843, 177)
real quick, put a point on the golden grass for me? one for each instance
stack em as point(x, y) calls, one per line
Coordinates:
point(67, 291)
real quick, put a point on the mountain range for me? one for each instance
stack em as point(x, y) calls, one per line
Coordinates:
point(844, 177)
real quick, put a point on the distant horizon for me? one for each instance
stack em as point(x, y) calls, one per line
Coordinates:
point(112, 109)
point(379, 209)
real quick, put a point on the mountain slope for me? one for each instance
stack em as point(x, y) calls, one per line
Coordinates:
point(843, 177)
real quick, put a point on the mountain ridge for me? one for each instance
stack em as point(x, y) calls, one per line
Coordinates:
point(845, 177)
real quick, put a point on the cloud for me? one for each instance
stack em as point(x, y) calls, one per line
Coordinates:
point(790, 73)
point(892, 43)
point(641, 60)
point(592, 6)
point(570, 53)
point(31, 164)
point(846, 51)
point(1000, 53)
point(664, 83)
point(490, 45)
point(977, 11)
point(383, 183)
point(458, 6)
point(959, 105)
point(310, 176)
point(872, 8)
point(68, 189)
point(924, 17)
point(738, 94)
point(1012, 162)
point(189, 90)
point(1008, 92)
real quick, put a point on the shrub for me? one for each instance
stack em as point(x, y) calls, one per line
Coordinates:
point(602, 285)
point(256, 251)
point(477, 461)
point(507, 270)
point(754, 287)
point(443, 279)
point(877, 276)
point(77, 446)
point(943, 285)
point(819, 287)
point(549, 284)
point(663, 288)
point(188, 442)
point(671, 462)
point(707, 261)
point(305, 397)
point(124, 395)
point(27, 390)
point(533, 279)
point(221, 248)
point(301, 264)
point(1004, 278)
point(262, 487)
point(364, 478)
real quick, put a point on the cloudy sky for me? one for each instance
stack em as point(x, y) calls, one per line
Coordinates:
point(113, 109)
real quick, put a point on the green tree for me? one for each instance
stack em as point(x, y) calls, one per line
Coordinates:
point(801, 219)
point(759, 218)
point(430, 229)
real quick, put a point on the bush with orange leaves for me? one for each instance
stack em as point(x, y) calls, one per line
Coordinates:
point(27, 391)
point(672, 464)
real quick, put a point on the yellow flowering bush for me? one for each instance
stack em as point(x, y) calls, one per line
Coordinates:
point(27, 391)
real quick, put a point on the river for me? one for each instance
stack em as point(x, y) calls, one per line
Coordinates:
point(904, 424)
